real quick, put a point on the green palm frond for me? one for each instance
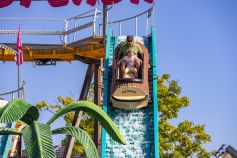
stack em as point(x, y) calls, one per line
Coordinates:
point(18, 109)
point(38, 140)
point(83, 138)
point(95, 112)
point(4, 130)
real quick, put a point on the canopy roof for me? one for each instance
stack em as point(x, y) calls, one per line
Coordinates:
point(60, 3)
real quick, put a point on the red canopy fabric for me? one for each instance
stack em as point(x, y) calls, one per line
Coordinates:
point(60, 3)
point(149, 1)
point(134, 1)
point(25, 3)
point(110, 2)
point(5, 3)
point(77, 2)
point(91, 2)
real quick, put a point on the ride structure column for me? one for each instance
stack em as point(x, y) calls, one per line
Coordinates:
point(155, 93)
point(105, 94)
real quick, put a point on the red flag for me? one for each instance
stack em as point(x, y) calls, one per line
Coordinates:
point(19, 55)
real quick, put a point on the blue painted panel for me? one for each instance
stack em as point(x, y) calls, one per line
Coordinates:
point(155, 98)
point(105, 80)
point(5, 141)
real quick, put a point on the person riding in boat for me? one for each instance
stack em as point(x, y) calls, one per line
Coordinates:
point(136, 49)
point(130, 60)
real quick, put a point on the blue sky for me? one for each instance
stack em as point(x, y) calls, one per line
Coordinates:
point(196, 45)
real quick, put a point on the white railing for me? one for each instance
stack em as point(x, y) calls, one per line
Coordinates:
point(20, 91)
point(70, 26)
point(91, 15)
point(148, 14)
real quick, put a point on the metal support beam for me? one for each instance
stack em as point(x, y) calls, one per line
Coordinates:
point(78, 115)
point(97, 101)
point(86, 60)
point(105, 19)
point(136, 26)
point(120, 28)
point(105, 25)
point(65, 30)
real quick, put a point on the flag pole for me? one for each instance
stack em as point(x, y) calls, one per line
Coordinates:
point(18, 64)
point(19, 61)
point(18, 75)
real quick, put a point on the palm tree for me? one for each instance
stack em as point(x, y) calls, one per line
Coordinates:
point(38, 136)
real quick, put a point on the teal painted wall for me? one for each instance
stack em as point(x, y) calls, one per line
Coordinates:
point(5, 140)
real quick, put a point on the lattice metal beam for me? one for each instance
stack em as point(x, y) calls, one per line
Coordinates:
point(32, 32)
point(2, 46)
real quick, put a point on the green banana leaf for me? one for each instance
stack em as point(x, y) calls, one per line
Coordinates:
point(83, 138)
point(18, 109)
point(38, 140)
point(95, 112)
point(4, 130)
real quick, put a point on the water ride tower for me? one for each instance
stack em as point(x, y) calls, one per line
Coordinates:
point(131, 102)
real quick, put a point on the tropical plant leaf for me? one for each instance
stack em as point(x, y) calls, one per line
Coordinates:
point(4, 130)
point(38, 140)
point(83, 138)
point(18, 109)
point(95, 112)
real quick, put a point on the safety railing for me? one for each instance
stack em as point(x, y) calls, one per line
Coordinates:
point(69, 26)
point(149, 13)
point(93, 14)
point(20, 92)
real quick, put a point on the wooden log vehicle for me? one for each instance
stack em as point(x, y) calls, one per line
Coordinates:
point(132, 90)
